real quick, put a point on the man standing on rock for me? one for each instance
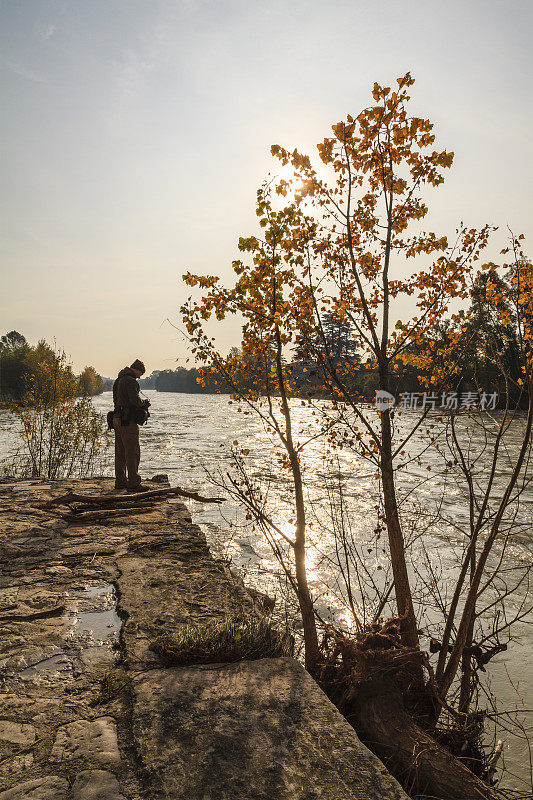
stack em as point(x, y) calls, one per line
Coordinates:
point(127, 408)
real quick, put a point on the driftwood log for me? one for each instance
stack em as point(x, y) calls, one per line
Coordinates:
point(105, 514)
point(126, 499)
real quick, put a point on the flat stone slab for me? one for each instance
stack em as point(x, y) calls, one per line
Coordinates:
point(16, 766)
point(51, 788)
point(94, 741)
point(250, 731)
point(96, 784)
point(16, 732)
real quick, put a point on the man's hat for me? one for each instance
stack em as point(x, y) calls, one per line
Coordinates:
point(138, 365)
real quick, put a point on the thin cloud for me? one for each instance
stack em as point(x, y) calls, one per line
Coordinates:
point(46, 33)
point(22, 71)
point(136, 63)
point(132, 70)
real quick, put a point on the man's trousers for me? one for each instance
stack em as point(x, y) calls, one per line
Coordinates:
point(127, 454)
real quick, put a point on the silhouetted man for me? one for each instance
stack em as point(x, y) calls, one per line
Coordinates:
point(127, 404)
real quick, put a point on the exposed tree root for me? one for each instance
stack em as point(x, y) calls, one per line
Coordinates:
point(372, 678)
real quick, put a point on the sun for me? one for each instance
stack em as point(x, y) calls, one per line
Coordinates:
point(288, 177)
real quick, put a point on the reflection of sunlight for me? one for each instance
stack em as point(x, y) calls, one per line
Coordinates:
point(346, 619)
point(311, 566)
point(288, 529)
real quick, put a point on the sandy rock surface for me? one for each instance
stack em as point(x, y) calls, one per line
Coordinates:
point(87, 712)
point(256, 730)
point(79, 601)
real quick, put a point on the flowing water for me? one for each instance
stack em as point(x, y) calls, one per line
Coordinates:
point(191, 438)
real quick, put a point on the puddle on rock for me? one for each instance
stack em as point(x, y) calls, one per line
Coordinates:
point(94, 627)
point(56, 663)
point(95, 619)
point(103, 625)
point(96, 591)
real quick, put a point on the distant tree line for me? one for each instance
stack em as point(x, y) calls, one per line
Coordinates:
point(21, 364)
point(339, 343)
point(182, 380)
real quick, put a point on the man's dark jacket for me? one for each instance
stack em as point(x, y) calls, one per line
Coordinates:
point(126, 390)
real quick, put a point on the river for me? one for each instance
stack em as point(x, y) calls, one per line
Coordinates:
point(191, 437)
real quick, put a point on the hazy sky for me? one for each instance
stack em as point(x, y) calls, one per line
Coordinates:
point(135, 133)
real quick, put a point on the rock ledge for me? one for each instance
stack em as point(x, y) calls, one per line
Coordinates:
point(87, 713)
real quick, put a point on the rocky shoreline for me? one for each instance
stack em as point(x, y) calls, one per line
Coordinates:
point(86, 710)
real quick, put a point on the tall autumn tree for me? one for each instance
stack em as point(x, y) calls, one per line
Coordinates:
point(342, 241)
point(340, 248)
point(367, 230)
point(274, 305)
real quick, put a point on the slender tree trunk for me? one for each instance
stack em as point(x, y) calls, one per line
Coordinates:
point(404, 599)
point(466, 672)
point(304, 596)
point(466, 659)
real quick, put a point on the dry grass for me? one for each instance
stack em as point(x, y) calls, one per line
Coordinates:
point(221, 642)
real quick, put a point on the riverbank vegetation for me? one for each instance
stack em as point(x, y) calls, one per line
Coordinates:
point(335, 246)
point(21, 364)
point(60, 434)
point(223, 642)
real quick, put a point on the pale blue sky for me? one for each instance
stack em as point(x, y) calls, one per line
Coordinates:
point(135, 134)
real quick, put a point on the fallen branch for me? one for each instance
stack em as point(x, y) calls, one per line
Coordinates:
point(76, 510)
point(113, 513)
point(110, 500)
